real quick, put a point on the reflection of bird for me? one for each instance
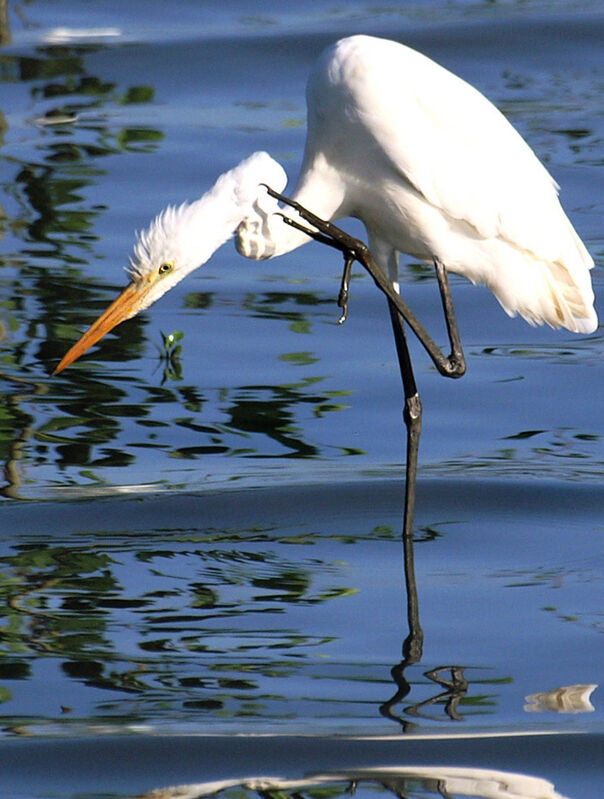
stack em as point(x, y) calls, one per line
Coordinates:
point(566, 699)
point(387, 781)
point(423, 159)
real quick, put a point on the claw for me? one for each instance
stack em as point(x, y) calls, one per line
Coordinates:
point(281, 197)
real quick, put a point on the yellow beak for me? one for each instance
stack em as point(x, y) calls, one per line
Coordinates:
point(124, 307)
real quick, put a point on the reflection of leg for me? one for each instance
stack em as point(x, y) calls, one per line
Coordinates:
point(455, 690)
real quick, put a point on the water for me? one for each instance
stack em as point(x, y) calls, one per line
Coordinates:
point(196, 551)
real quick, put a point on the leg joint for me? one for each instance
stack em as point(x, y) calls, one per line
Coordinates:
point(413, 409)
point(453, 367)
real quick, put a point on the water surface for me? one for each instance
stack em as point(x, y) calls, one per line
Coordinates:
point(211, 546)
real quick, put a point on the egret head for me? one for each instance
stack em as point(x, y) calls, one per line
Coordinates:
point(182, 238)
point(163, 255)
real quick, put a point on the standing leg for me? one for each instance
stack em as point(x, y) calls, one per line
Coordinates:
point(412, 414)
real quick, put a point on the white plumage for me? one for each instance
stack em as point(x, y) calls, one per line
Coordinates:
point(187, 235)
point(424, 160)
point(433, 169)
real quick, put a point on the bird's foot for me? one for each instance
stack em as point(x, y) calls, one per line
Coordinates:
point(324, 231)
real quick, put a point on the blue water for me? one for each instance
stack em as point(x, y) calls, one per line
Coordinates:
point(211, 547)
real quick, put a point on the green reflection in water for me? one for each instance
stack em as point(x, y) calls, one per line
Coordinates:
point(83, 418)
point(278, 305)
point(177, 627)
point(81, 422)
point(564, 452)
point(222, 622)
point(50, 188)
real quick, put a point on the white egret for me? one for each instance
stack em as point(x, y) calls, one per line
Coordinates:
point(429, 166)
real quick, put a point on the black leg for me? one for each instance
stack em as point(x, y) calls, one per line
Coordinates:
point(412, 414)
point(343, 295)
point(456, 358)
point(325, 232)
point(452, 365)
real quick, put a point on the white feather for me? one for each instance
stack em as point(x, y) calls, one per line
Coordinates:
point(429, 165)
point(187, 235)
point(434, 169)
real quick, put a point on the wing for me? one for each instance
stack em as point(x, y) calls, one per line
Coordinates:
point(453, 146)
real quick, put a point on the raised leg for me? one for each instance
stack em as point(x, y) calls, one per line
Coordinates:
point(325, 232)
point(456, 357)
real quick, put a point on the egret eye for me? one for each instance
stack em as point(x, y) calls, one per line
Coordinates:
point(165, 268)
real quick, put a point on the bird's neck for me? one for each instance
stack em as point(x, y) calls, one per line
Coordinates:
point(263, 233)
point(213, 218)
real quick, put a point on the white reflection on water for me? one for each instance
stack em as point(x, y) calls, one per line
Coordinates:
point(566, 699)
point(423, 781)
point(71, 35)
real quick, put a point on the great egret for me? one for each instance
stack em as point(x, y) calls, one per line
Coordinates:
point(429, 166)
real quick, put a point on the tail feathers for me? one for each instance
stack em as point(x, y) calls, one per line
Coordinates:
point(546, 292)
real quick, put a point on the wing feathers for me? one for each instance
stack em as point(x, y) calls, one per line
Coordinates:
point(439, 134)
